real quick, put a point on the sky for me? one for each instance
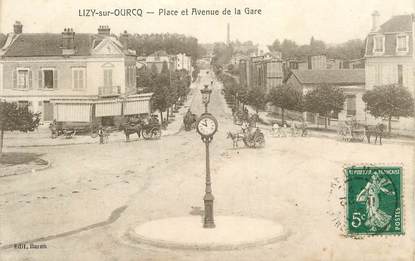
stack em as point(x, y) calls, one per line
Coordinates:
point(333, 21)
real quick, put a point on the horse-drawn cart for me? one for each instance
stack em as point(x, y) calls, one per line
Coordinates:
point(254, 138)
point(148, 129)
point(351, 132)
point(251, 137)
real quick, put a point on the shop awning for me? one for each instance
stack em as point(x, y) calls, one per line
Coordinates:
point(136, 107)
point(103, 109)
point(76, 112)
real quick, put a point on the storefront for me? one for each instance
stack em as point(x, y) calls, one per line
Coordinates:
point(101, 111)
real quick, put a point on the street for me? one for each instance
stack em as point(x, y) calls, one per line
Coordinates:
point(82, 206)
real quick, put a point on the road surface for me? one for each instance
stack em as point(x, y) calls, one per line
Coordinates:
point(81, 208)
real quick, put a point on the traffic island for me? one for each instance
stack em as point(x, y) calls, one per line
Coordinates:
point(17, 163)
point(230, 233)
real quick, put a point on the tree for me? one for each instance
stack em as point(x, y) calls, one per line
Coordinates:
point(285, 97)
point(350, 50)
point(15, 118)
point(325, 100)
point(389, 101)
point(160, 88)
point(242, 96)
point(144, 79)
point(256, 98)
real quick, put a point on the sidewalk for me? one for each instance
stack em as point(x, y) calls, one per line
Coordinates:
point(175, 126)
point(42, 136)
point(317, 130)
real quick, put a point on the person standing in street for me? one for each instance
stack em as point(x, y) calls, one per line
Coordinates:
point(101, 135)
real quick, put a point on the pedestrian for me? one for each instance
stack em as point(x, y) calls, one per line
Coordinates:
point(101, 135)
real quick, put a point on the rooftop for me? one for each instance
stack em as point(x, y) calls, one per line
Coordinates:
point(398, 23)
point(335, 77)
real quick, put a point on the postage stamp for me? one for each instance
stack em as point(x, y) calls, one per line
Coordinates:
point(374, 200)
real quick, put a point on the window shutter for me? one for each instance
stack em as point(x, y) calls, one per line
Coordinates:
point(81, 79)
point(55, 79)
point(30, 79)
point(14, 76)
point(127, 74)
point(40, 79)
point(75, 79)
point(105, 78)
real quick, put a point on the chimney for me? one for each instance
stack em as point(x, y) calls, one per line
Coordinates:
point(17, 27)
point(124, 39)
point(104, 30)
point(68, 41)
point(375, 21)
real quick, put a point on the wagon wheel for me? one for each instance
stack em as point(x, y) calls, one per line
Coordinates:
point(250, 143)
point(146, 134)
point(260, 140)
point(156, 133)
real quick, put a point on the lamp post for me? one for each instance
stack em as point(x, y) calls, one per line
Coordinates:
point(207, 126)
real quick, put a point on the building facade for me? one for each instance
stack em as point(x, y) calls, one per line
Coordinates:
point(70, 76)
point(264, 72)
point(352, 82)
point(390, 58)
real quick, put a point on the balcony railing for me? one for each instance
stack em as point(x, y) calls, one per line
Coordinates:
point(109, 91)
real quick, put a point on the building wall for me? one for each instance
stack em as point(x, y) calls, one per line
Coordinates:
point(63, 68)
point(357, 91)
point(303, 66)
point(318, 62)
point(274, 74)
point(360, 115)
point(383, 70)
point(38, 96)
point(95, 74)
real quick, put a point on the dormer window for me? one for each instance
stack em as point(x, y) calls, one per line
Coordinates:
point(379, 44)
point(402, 43)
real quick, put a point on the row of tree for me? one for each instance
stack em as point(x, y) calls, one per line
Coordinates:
point(168, 87)
point(352, 49)
point(147, 44)
point(384, 102)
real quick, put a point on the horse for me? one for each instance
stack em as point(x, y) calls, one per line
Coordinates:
point(235, 138)
point(189, 121)
point(131, 127)
point(376, 131)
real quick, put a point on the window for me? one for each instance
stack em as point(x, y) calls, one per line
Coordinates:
point(351, 105)
point(78, 78)
point(107, 77)
point(23, 104)
point(379, 44)
point(48, 78)
point(400, 74)
point(130, 75)
point(23, 79)
point(402, 43)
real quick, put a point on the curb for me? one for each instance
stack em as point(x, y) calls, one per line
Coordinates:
point(47, 166)
point(133, 238)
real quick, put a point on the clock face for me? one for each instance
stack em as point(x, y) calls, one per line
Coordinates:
point(207, 126)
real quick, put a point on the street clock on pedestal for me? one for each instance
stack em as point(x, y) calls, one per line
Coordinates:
point(207, 125)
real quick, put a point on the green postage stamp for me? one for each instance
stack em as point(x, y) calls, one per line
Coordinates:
point(374, 200)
